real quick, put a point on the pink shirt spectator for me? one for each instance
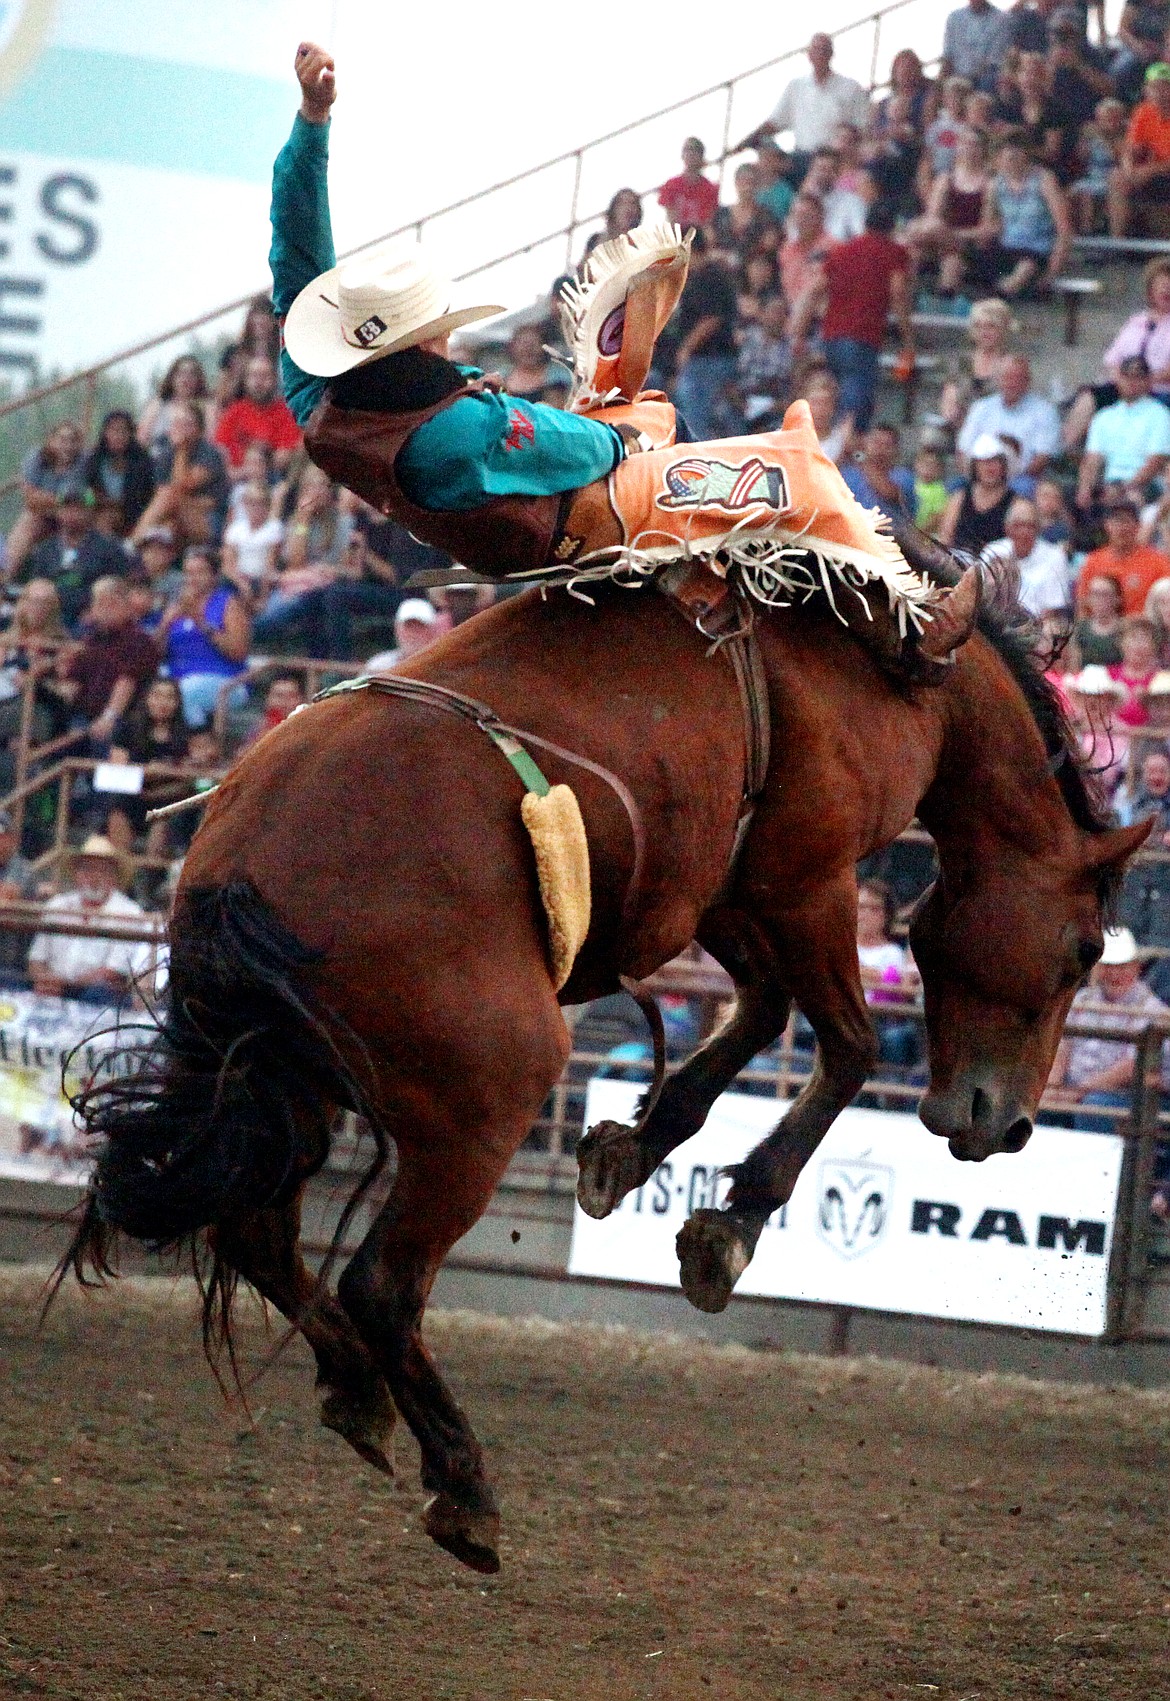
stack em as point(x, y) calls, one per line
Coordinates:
point(1143, 333)
point(1132, 710)
point(798, 263)
point(689, 200)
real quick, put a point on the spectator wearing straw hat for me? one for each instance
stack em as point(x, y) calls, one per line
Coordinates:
point(82, 966)
point(1099, 1072)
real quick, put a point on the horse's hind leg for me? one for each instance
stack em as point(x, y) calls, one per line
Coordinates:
point(613, 1159)
point(465, 1124)
point(264, 1248)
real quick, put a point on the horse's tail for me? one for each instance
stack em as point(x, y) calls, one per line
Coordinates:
point(228, 1110)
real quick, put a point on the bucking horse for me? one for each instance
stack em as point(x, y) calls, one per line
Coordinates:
point(359, 926)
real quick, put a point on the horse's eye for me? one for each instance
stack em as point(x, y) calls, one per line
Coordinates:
point(1088, 952)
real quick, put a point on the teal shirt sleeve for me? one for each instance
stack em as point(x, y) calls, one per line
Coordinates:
point(497, 445)
point(479, 447)
point(302, 242)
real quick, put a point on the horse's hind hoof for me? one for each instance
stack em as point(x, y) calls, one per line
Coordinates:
point(473, 1537)
point(609, 1165)
point(366, 1421)
point(713, 1250)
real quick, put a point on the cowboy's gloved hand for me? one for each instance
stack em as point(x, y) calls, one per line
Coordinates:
point(316, 74)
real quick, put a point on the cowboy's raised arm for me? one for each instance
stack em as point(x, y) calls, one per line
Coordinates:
point(302, 235)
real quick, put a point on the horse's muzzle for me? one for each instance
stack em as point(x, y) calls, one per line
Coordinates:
point(975, 1120)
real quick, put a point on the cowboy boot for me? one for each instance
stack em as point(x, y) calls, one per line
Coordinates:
point(615, 315)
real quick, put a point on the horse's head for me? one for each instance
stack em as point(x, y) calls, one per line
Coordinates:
point(1002, 943)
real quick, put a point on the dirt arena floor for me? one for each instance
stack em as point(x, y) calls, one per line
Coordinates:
point(681, 1521)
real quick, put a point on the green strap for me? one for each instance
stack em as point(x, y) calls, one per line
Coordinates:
point(508, 746)
point(527, 769)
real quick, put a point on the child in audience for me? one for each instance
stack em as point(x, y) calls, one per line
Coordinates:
point(930, 491)
point(1099, 152)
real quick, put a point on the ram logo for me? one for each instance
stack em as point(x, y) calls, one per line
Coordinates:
point(854, 1205)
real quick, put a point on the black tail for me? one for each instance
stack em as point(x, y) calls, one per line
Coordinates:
point(229, 1109)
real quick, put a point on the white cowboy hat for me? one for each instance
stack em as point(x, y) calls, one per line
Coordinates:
point(986, 447)
point(386, 299)
point(1096, 681)
point(1120, 947)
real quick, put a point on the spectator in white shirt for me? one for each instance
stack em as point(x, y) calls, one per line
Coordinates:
point(62, 964)
point(812, 107)
point(1043, 567)
point(1017, 415)
point(251, 544)
point(843, 210)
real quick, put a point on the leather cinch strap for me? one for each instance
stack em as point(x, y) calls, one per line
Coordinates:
point(720, 612)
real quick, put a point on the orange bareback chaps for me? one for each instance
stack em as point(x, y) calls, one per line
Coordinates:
point(671, 500)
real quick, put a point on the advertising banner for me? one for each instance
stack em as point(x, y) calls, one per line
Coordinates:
point(136, 148)
point(883, 1218)
point(40, 1038)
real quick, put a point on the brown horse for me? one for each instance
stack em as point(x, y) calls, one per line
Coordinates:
point(358, 924)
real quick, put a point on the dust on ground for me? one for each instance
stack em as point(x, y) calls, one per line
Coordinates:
point(681, 1521)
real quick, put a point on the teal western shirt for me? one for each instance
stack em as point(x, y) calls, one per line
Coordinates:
point(480, 446)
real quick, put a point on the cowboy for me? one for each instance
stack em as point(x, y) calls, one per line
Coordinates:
point(384, 344)
point(511, 487)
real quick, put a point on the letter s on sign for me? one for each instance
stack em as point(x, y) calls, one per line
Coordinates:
point(80, 242)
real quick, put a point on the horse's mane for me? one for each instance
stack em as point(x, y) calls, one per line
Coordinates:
point(1016, 639)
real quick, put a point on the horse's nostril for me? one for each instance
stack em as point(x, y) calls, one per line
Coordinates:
point(1017, 1136)
point(981, 1107)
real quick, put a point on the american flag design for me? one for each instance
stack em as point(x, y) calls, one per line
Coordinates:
point(700, 483)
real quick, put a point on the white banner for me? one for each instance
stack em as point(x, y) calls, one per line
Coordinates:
point(883, 1218)
point(40, 1038)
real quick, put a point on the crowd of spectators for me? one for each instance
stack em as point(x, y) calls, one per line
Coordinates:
point(157, 567)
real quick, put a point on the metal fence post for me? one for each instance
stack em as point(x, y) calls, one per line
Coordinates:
point(574, 204)
point(877, 41)
point(28, 695)
point(1126, 1281)
point(730, 87)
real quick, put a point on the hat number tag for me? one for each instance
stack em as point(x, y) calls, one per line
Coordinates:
point(369, 330)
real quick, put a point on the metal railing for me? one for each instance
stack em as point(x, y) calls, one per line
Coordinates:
point(723, 98)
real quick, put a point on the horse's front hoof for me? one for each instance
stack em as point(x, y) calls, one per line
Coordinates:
point(366, 1420)
point(713, 1253)
point(473, 1537)
point(609, 1165)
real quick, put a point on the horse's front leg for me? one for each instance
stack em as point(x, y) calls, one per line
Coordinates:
point(715, 1246)
point(614, 1159)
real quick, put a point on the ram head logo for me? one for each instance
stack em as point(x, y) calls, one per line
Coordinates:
point(854, 1204)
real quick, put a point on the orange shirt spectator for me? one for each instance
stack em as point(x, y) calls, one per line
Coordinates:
point(259, 416)
point(1134, 565)
point(1149, 134)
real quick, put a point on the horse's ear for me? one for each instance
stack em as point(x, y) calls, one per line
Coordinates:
point(1112, 849)
point(954, 617)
